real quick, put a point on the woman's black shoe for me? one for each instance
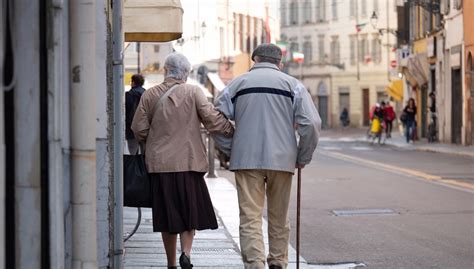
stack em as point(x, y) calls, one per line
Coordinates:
point(184, 261)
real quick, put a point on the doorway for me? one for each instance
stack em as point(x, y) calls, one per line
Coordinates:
point(323, 110)
point(456, 106)
point(365, 107)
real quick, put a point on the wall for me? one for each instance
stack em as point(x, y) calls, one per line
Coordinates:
point(469, 76)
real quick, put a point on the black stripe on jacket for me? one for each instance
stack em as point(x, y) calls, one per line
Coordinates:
point(262, 90)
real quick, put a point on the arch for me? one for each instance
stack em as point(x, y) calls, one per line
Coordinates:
point(323, 89)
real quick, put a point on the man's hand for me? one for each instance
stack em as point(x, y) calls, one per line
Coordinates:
point(299, 165)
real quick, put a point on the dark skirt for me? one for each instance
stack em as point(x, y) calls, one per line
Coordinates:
point(181, 202)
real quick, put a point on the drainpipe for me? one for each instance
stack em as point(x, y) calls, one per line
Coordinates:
point(2, 143)
point(118, 129)
point(57, 43)
point(83, 125)
point(27, 147)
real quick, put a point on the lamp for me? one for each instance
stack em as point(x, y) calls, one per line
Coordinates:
point(373, 19)
point(203, 28)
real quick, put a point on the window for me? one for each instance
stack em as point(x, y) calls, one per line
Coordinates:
point(458, 4)
point(363, 49)
point(376, 49)
point(283, 14)
point(156, 48)
point(352, 8)
point(334, 9)
point(364, 8)
point(307, 12)
point(294, 13)
point(320, 10)
point(353, 40)
point(335, 50)
point(321, 48)
point(308, 52)
point(294, 47)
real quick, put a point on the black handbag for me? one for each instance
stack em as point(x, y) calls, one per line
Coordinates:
point(136, 182)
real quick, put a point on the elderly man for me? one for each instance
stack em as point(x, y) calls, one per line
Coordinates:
point(168, 119)
point(267, 106)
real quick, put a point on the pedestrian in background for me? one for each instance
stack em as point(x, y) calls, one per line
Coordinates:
point(389, 116)
point(132, 99)
point(410, 119)
point(176, 156)
point(344, 118)
point(267, 106)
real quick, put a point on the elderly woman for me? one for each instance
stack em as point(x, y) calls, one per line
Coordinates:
point(168, 121)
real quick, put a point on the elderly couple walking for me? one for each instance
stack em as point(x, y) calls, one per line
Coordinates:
point(267, 107)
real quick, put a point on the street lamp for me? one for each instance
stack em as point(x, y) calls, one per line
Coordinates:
point(374, 19)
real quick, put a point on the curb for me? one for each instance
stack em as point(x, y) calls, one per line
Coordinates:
point(421, 148)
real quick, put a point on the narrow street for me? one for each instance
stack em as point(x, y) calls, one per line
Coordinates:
point(386, 207)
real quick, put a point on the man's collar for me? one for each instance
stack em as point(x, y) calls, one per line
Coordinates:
point(264, 65)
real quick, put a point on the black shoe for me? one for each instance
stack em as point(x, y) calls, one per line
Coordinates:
point(275, 267)
point(184, 261)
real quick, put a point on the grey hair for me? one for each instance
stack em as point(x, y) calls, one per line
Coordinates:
point(177, 66)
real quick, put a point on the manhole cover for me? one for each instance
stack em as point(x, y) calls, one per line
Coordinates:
point(364, 212)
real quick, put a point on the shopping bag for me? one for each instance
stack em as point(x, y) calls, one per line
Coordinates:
point(136, 182)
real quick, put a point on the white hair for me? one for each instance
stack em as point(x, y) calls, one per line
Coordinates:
point(177, 66)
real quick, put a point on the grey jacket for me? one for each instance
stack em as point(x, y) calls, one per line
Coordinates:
point(267, 106)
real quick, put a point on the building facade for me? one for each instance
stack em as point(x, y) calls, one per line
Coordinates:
point(221, 35)
point(348, 53)
point(435, 35)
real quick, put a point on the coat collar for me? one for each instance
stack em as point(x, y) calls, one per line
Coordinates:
point(264, 65)
point(169, 81)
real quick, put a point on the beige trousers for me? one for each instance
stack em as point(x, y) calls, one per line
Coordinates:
point(251, 188)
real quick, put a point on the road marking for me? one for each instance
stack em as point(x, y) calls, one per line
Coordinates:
point(401, 170)
point(458, 183)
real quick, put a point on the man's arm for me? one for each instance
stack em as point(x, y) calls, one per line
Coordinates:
point(224, 104)
point(213, 120)
point(308, 123)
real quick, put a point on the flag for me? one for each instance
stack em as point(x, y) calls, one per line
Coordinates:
point(298, 57)
point(284, 51)
point(360, 26)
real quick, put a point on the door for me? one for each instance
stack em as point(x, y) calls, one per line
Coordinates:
point(456, 106)
point(365, 107)
point(424, 110)
point(323, 110)
point(344, 102)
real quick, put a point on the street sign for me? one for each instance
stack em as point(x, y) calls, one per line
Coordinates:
point(393, 63)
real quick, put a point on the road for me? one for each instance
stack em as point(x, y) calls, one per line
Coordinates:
point(398, 208)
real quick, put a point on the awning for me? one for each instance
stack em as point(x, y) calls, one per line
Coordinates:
point(395, 89)
point(152, 21)
point(418, 67)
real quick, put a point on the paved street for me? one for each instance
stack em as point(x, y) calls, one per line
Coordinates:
point(375, 205)
point(399, 208)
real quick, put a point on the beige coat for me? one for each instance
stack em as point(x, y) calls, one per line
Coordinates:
point(172, 133)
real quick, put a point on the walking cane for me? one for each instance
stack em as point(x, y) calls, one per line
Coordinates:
point(298, 207)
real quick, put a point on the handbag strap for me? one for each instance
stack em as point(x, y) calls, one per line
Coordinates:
point(160, 101)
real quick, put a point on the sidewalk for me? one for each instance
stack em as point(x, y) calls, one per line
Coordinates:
point(211, 248)
point(397, 140)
